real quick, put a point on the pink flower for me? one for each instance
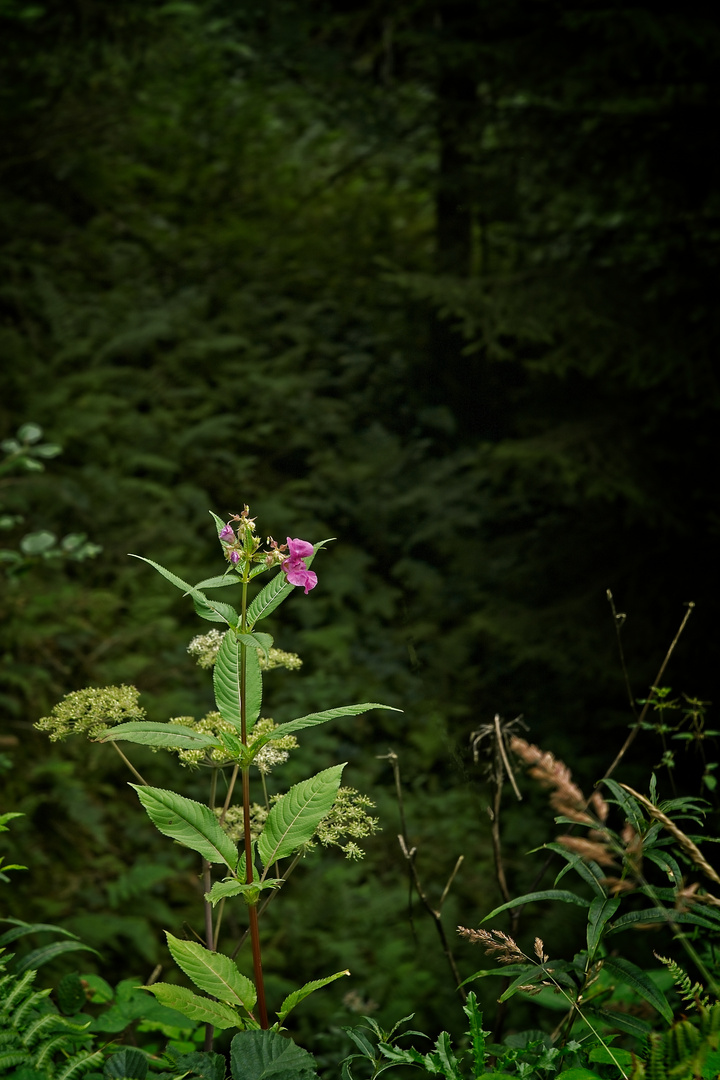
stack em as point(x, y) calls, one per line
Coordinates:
point(227, 533)
point(294, 566)
point(299, 549)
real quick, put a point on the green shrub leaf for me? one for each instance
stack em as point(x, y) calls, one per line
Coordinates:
point(188, 822)
point(299, 995)
point(167, 736)
point(213, 972)
point(294, 818)
point(194, 1007)
point(267, 1055)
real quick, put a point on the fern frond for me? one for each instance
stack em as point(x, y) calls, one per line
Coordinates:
point(49, 1021)
point(26, 1005)
point(19, 989)
point(80, 1063)
point(10, 1058)
point(44, 1053)
point(692, 993)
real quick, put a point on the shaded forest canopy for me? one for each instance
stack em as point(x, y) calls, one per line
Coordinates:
point(440, 282)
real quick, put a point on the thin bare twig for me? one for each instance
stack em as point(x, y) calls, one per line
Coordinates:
point(634, 731)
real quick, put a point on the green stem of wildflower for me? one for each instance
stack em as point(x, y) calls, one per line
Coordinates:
point(130, 765)
point(252, 908)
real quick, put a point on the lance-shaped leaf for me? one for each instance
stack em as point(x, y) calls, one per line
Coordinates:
point(641, 983)
point(233, 887)
point(262, 642)
point(601, 910)
point(215, 611)
point(23, 928)
point(226, 677)
point(299, 995)
point(188, 822)
point(213, 972)
point(276, 590)
point(226, 680)
point(664, 915)
point(312, 719)
point(202, 1010)
point(168, 736)
point(185, 587)
point(219, 581)
point(546, 894)
point(293, 819)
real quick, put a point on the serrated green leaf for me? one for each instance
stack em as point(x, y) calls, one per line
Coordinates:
point(213, 972)
point(219, 523)
point(293, 819)
point(276, 590)
point(127, 1063)
point(199, 1009)
point(313, 719)
point(216, 612)
point(165, 736)
point(546, 894)
point(189, 590)
point(253, 687)
point(188, 822)
point(297, 996)
point(223, 889)
point(267, 1055)
point(601, 911)
point(220, 581)
point(261, 642)
point(640, 982)
point(226, 680)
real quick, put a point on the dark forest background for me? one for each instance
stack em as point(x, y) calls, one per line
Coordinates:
point(439, 279)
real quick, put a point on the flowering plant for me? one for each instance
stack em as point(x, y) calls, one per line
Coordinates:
point(236, 739)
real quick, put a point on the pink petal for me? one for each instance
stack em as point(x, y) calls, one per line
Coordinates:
point(299, 549)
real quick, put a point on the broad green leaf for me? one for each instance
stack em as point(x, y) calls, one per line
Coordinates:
point(46, 953)
point(168, 736)
point(223, 889)
point(253, 687)
point(188, 822)
point(612, 1055)
point(215, 611)
point(269, 597)
point(299, 995)
point(662, 915)
point(276, 590)
point(263, 642)
point(213, 972)
point(201, 1010)
point(312, 719)
point(128, 1062)
point(546, 894)
point(601, 910)
point(23, 928)
point(267, 1055)
point(640, 982)
point(293, 819)
point(226, 680)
